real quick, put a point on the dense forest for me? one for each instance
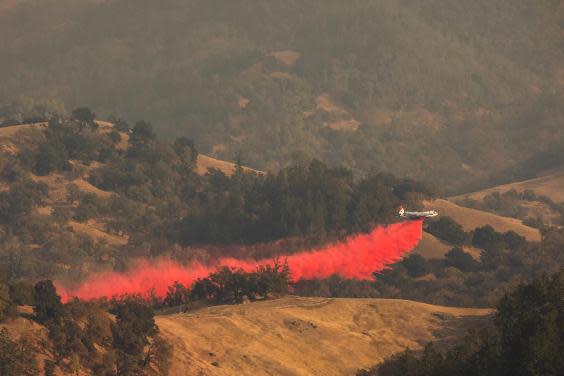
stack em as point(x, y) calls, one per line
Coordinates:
point(463, 93)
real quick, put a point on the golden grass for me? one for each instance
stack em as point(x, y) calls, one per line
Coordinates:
point(106, 127)
point(281, 75)
point(325, 103)
point(472, 218)
point(92, 229)
point(344, 125)
point(205, 163)
point(551, 185)
point(306, 336)
point(57, 184)
point(344, 120)
point(85, 186)
point(287, 57)
point(243, 102)
point(431, 247)
point(12, 130)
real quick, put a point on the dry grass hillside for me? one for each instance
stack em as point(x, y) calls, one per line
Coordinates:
point(472, 218)
point(431, 247)
point(58, 183)
point(551, 185)
point(307, 336)
point(206, 163)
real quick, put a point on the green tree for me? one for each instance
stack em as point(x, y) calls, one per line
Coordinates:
point(84, 115)
point(416, 265)
point(51, 156)
point(447, 229)
point(142, 132)
point(176, 295)
point(48, 304)
point(134, 325)
point(486, 238)
point(461, 260)
point(531, 324)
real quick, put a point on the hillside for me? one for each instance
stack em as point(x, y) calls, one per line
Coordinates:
point(307, 336)
point(431, 247)
point(92, 195)
point(205, 163)
point(57, 183)
point(436, 90)
point(550, 185)
point(472, 218)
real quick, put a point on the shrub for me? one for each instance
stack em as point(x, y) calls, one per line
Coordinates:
point(447, 229)
point(461, 260)
point(416, 265)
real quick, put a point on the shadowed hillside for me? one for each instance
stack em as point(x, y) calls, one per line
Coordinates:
point(454, 92)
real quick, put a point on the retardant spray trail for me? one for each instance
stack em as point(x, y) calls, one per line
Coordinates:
point(357, 257)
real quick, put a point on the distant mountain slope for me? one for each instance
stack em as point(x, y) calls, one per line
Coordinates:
point(550, 185)
point(307, 336)
point(472, 218)
point(449, 91)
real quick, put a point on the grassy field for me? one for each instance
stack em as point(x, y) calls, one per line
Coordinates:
point(550, 185)
point(307, 336)
point(472, 218)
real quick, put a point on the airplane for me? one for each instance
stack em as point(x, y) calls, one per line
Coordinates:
point(416, 215)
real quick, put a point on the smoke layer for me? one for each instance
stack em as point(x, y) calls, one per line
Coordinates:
point(356, 257)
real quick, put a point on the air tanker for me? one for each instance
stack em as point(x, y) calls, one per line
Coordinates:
point(416, 215)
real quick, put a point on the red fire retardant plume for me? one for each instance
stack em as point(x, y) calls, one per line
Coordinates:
point(356, 257)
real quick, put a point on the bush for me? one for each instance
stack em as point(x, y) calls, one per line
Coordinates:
point(51, 156)
point(486, 238)
point(84, 115)
point(461, 260)
point(447, 229)
point(416, 265)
